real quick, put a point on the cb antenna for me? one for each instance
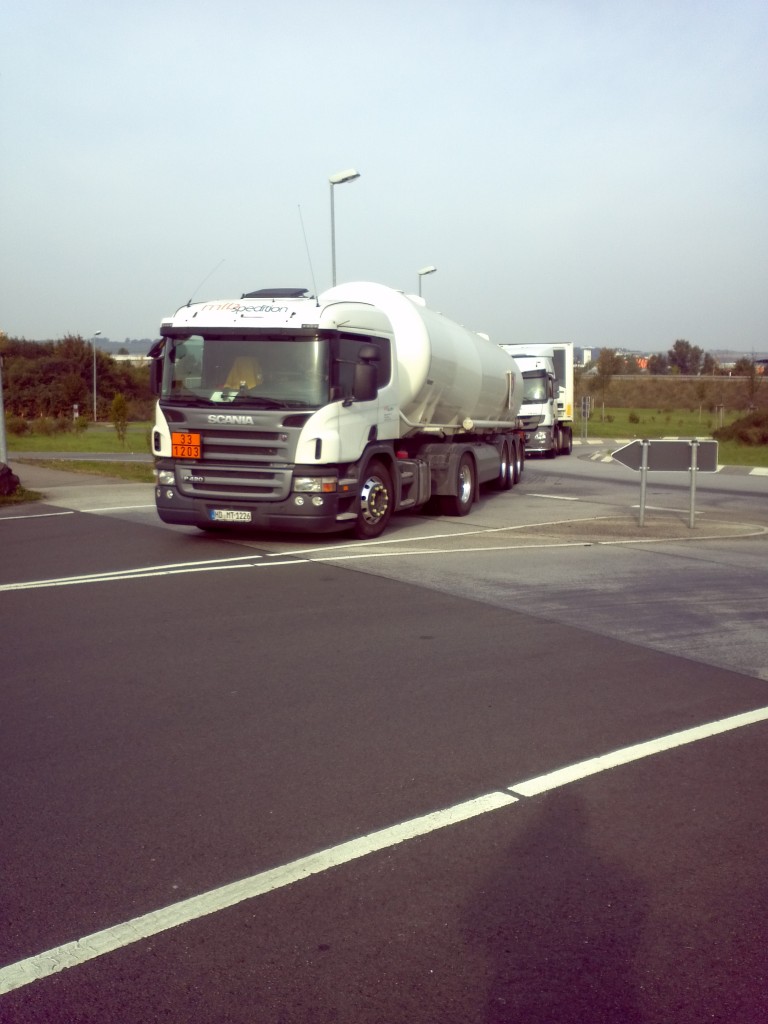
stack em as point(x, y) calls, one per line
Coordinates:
point(309, 258)
point(207, 276)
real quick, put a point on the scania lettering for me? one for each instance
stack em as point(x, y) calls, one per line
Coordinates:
point(230, 419)
point(328, 413)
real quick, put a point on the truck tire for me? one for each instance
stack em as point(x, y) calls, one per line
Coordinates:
point(460, 503)
point(566, 446)
point(518, 461)
point(504, 479)
point(375, 501)
point(552, 452)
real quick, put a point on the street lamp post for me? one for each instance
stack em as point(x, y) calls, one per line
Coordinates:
point(337, 179)
point(94, 336)
point(423, 272)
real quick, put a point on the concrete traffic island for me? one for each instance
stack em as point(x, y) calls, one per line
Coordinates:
point(658, 526)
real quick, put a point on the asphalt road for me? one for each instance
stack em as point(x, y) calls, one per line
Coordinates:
point(351, 731)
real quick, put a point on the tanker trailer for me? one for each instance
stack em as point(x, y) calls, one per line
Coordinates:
point(281, 411)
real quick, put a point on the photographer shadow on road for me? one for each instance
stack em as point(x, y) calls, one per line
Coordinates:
point(560, 924)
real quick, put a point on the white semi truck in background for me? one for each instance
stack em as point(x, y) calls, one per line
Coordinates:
point(282, 411)
point(547, 408)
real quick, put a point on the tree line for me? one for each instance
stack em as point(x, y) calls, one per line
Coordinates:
point(683, 358)
point(51, 378)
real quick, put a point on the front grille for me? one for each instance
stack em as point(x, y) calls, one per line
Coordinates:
point(240, 465)
point(531, 422)
point(246, 445)
point(212, 480)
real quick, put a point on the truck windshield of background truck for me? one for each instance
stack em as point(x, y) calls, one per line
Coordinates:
point(285, 372)
point(535, 386)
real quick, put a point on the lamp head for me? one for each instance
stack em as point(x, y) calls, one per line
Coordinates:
point(342, 176)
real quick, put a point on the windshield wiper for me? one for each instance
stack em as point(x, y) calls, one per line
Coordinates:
point(258, 401)
point(185, 399)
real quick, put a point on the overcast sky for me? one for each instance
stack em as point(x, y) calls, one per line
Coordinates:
point(576, 170)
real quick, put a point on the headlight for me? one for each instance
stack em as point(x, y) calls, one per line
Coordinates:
point(165, 476)
point(314, 484)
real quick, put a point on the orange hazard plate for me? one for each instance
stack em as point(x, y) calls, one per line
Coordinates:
point(185, 446)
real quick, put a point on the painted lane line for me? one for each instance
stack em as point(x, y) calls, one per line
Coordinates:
point(252, 561)
point(142, 574)
point(453, 535)
point(117, 508)
point(574, 772)
point(115, 574)
point(70, 954)
point(99, 943)
point(553, 497)
point(37, 515)
point(287, 558)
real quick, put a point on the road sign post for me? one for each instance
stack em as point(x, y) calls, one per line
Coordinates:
point(643, 480)
point(669, 456)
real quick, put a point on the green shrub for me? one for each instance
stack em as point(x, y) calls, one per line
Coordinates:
point(633, 417)
point(750, 430)
point(16, 425)
point(45, 426)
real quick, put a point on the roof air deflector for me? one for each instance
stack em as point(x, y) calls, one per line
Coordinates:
point(277, 293)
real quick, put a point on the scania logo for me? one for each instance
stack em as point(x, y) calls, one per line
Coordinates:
point(228, 418)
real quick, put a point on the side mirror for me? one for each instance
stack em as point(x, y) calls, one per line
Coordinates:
point(156, 376)
point(365, 386)
point(366, 380)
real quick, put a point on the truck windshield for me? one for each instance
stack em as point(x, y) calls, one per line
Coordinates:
point(534, 386)
point(273, 372)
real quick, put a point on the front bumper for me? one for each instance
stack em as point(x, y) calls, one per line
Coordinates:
point(304, 513)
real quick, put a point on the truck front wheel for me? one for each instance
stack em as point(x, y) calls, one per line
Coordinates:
point(375, 502)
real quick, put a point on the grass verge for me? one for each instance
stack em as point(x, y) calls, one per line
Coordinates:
point(134, 472)
point(99, 437)
point(620, 424)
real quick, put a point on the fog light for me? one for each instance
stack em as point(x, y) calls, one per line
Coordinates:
point(317, 502)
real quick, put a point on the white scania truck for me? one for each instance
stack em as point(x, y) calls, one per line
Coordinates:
point(547, 407)
point(281, 411)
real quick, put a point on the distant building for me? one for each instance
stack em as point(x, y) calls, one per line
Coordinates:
point(131, 357)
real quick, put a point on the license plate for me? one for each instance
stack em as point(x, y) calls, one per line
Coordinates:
point(185, 446)
point(228, 515)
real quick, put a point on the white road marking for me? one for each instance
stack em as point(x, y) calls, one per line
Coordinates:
point(117, 508)
point(356, 552)
point(554, 497)
point(38, 515)
point(563, 776)
point(71, 954)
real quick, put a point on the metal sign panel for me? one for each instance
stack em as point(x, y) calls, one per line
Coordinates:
point(669, 456)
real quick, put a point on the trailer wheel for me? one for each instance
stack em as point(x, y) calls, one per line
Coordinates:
point(460, 503)
point(504, 479)
point(375, 502)
point(518, 460)
point(566, 446)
